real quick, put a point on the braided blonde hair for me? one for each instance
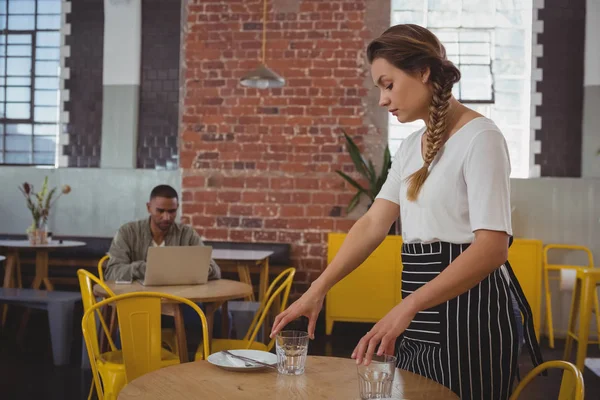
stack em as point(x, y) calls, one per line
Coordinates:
point(414, 49)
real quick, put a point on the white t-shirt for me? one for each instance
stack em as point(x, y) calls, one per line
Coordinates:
point(468, 187)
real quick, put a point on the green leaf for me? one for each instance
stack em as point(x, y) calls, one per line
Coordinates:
point(351, 181)
point(49, 198)
point(354, 202)
point(385, 168)
point(357, 158)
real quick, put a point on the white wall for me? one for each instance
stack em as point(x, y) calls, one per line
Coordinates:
point(101, 199)
point(558, 210)
point(592, 44)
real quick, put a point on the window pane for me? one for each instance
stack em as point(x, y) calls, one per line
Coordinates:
point(17, 158)
point(19, 50)
point(21, 7)
point(21, 22)
point(408, 17)
point(45, 158)
point(45, 129)
point(46, 114)
point(48, 21)
point(46, 83)
point(18, 143)
point(48, 7)
point(18, 94)
point(19, 39)
point(47, 53)
point(47, 68)
point(475, 49)
point(46, 97)
point(476, 90)
point(18, 66)
point(18, 81)
point(17, 111)
point(2, 66)
point(44, 143)
point(3, 7)
point(48, 39)
point(18, 129)
point(2, 21)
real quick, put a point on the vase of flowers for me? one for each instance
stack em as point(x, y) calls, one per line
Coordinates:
point(39, 204)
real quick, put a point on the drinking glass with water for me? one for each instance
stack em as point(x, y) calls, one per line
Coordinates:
point(291, 348)
point(375, 380)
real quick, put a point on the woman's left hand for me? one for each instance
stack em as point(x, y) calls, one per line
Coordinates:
point(384, 334)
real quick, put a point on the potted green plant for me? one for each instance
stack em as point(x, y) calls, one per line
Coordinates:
point(39, 204)
point(366, 169)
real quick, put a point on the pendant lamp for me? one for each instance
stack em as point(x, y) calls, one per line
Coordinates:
point(263, 77)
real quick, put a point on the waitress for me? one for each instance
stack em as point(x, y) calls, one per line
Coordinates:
point(450, 184)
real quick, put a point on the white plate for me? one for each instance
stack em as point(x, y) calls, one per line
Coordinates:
point(224, 361)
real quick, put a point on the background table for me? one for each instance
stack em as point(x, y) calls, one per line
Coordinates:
point(212, 294)
point(60, 315)
point(41, 260)
point(41, 265)
point(324, 378)
point(242, 259)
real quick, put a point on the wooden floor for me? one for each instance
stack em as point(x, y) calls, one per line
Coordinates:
point(26, 370)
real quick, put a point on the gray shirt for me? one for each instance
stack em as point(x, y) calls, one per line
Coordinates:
point(130, 246)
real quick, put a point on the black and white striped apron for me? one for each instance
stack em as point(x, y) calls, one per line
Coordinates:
point(468, 344)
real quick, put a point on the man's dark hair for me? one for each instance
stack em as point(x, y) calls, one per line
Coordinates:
point(165, 191)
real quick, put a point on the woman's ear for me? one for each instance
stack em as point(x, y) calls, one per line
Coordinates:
point(425, 73)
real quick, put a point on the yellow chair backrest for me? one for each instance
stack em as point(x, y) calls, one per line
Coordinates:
point(139, 325)
point(86, 285)
point(101, 263)
point(571, 387)
point(280, 286)
point(571, 247)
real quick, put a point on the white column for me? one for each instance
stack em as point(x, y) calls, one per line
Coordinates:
point(121, 82)
point(590, 160)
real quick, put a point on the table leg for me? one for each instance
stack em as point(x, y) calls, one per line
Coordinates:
point(60, 317)
point(9, 266)
point(264, 279)
point(41, 270)
point(180, 334)
point(587, 295)
point(244, 274)
point(225, 321)
point(211, 308)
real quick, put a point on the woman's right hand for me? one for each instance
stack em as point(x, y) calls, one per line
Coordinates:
point(308, 305)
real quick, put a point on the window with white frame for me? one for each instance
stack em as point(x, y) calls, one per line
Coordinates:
point(490, 42)
point(29, 81)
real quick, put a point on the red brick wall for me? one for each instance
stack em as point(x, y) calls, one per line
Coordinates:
point(258, 165)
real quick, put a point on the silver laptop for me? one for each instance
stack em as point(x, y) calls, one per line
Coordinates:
point(177, 265)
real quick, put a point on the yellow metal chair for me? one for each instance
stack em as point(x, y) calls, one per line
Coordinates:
point(571, 387)
point(139, 316)
point(583, 302)
point(168, 334)
point(101, 266)
point(277, 294)
point(558, 267)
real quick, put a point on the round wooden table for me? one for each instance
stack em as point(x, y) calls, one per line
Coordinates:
point(212, 294)
point(41, 265)
point(324, 378)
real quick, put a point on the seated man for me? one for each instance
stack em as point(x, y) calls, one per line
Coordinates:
point(130, 245)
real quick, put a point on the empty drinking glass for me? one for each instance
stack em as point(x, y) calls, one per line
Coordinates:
point(291, 347)
point(375, 380)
